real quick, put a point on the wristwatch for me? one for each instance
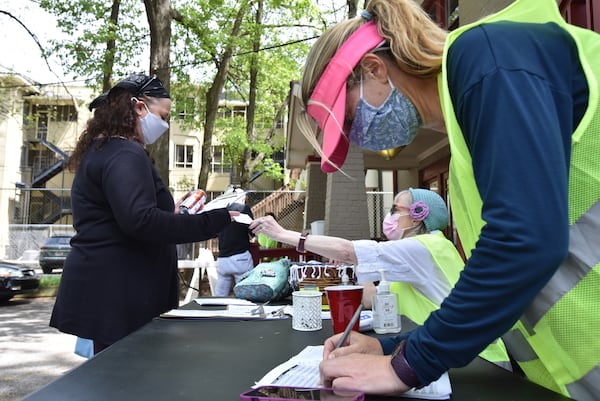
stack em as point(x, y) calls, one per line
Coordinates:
point(300, 246)
point(402, 368)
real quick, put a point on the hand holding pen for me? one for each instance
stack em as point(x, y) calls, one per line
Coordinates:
point(349, 327)
point(355, 343)
point(344, 351)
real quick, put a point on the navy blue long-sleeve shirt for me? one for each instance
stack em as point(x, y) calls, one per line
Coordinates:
point(519, 92)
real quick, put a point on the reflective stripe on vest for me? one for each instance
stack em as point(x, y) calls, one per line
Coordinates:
point(557, 341)
point(583, 256)
point(588, 387)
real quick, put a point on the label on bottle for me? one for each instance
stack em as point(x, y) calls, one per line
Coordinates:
point(385, 314)
point(193, 203)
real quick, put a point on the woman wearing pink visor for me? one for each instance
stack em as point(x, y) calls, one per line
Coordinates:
point(517, 94)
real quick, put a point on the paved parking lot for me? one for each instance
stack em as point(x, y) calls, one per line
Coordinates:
point(32, 354)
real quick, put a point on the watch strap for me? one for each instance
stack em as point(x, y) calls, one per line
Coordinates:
point(402, 367)
point(300, 246)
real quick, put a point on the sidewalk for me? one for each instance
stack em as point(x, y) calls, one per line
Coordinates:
point(32, 354)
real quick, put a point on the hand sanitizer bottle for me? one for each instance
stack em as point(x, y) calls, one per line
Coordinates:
point(386, 315)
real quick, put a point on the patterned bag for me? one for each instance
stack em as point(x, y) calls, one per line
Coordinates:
point(266, 282)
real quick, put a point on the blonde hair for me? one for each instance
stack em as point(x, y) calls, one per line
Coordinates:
point(416, 45)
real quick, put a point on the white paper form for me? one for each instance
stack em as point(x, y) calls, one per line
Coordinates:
point(232, 312)
point(302, 370)
point(223, 201)
point(243, 218)
point(233, 308)
point(212, 301)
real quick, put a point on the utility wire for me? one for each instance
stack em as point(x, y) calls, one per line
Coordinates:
point(176, 67)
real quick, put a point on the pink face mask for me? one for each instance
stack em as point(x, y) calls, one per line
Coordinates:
point(391, 229)
point(390, 226)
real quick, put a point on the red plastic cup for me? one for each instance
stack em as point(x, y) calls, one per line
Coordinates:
point(343, 302)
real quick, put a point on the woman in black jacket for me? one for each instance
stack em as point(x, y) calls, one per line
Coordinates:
point(122, 269)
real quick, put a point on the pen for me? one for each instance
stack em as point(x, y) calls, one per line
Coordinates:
point(349, 327)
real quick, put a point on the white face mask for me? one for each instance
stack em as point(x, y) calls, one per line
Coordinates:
point(152, 127)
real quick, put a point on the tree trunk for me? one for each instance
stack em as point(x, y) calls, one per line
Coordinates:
point(109, 56)
point(352, 6)
point(247, 164)
point(212, 97)
point(159, 20)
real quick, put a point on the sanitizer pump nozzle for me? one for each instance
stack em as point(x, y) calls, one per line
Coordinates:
point(345, 278)
point(384, 286)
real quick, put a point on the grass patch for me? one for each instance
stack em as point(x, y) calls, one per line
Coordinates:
point(47, 288)
point(49, 281)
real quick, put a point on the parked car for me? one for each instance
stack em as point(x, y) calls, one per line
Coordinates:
point(54, 252)
point(16, 279)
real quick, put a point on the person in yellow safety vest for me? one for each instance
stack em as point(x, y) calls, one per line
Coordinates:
point(517, 94)
point(264, 241)
point(421, 262)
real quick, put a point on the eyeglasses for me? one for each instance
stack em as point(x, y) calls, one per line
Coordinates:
point(396, 208)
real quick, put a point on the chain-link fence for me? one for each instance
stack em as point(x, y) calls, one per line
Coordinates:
point(28, 237)
point(39, 205)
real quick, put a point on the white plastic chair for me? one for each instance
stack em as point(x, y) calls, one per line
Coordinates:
point(191, 293)
point(200, 264)
point(211, 272)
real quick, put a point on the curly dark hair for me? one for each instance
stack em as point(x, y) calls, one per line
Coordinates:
point(114, 117)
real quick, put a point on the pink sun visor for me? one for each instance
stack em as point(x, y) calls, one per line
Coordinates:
point(327, 104)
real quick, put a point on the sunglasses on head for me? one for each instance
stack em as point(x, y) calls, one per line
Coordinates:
point(152, 79)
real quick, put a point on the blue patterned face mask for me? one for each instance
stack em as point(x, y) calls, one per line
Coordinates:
point(393, 124)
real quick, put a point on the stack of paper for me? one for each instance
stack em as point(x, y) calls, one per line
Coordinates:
point(302, 370)
point(232, 308)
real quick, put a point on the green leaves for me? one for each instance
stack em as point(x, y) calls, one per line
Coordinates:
point(110, 38)
point(89, 26)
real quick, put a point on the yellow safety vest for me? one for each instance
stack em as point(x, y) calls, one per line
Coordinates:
point(417, 307)
point(557, 341)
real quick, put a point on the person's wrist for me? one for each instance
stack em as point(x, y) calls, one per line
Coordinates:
point(300, 247)
point(402, 368)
